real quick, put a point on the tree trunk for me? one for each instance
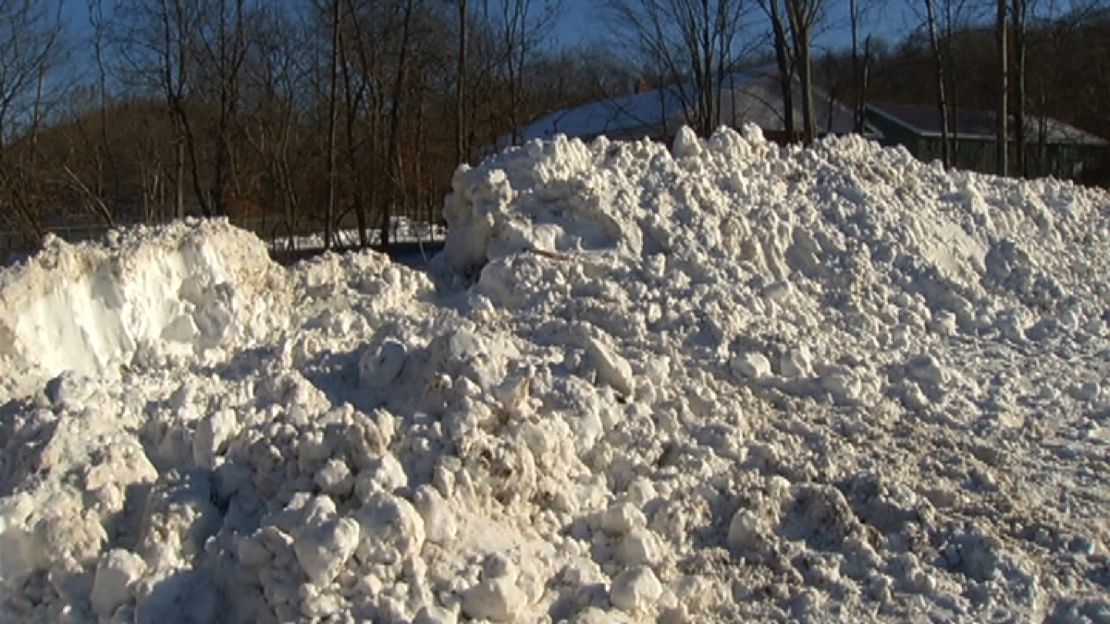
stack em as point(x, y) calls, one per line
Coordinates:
point(786, 70)
point(1018, 20)
point(175, 89)
point(179, 180)
point(953, 96)
point(865, 81)
point(853, 25)
point(512, 43)
point(353, 98)
point(952, 21)
point(221, 126)
point(710, 91)
point(1002, 153)
point(333, 112)
point(194, 163)
point(938, 62)
point(800, 29)
point(96, 20)
point(460, 88)
point(394, 189)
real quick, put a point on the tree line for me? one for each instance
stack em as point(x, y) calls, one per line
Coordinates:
point(1027, 61)
point(315, 115)
point(305, 116)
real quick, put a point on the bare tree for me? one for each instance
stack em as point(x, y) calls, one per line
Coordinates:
point(76, 156)
point(939, 64)
point(333, 114)
point(461, 149)
point(354, 95)
point(395, 187)
point(803, 16)
point(276, 79)
point(957, 16)
point(785, 63)
point(1002, 137)
point(225, 47)
point(944, 23)
point(1018, 10)
point(859, 11)
point(518, 27)
point(173, 27)
point(1062, 62)
point(688, 40)
point(366, 97)
point(106, 165)
point(192, 52)
point(29, 43)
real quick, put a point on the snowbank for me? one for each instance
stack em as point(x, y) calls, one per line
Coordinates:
point(728, 381)
point(91, 308)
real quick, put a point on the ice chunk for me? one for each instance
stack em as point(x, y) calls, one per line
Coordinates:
point(381, 364)
point(324, 549)
point(620, 518)
point(640, 545)
point(635, 589)
point(611, 368)
point(498, 600)
point(211, 435)
point(686, 143)
point(746, 532)
point(115, 573)
point(334, 478)
point(750, 365)
point(925, 368)
point(796, 362)
point(384, 474)
point(439, 519)
point(391, 529)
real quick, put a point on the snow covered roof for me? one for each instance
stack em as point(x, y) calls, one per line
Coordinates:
point(640, 113)
point(972, 124)
point(748, 96)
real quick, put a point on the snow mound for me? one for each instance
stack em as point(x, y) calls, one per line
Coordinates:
point(89, 309)
point(837, 217)
point(729, 381)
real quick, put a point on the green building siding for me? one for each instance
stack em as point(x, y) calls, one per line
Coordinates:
point(1062, 160)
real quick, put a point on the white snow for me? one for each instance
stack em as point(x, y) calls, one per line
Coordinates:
point(401, 230)
point(635, 589)
point(738, 382)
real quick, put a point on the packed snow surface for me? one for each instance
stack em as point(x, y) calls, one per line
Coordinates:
point(729, 381)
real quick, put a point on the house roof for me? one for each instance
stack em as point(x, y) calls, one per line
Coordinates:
point(971, 124)
point(626, 114)
point(748, 96)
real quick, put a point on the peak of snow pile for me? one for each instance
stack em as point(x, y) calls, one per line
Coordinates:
point(727, 381)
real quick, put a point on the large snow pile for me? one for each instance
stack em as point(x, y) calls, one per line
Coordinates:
point(92, 308)
point(730, 381)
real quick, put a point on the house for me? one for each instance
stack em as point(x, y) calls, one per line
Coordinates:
point(748, 96)
point(1053, 147)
